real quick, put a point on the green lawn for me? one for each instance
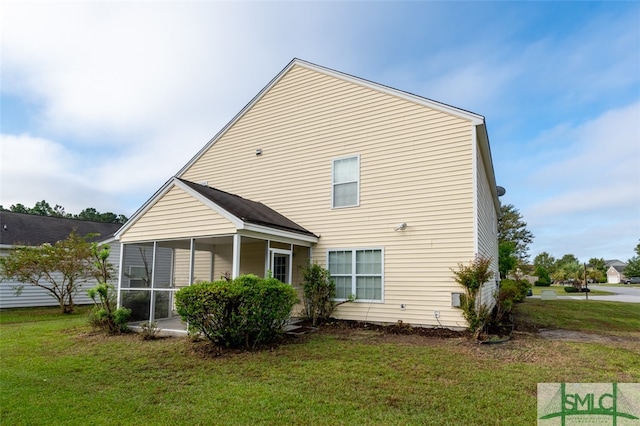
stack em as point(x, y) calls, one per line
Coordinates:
point(56, 371)
point(560, 291)
point(580, 315)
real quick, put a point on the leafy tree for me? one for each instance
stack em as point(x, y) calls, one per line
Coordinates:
point(572, 271)
point(633, 265)
point(567, 258)
point(511, 228)
point(597, 270)
point(507, 261)
point(546, 261)
point(16, 208)
point(57, 268)
point(543, 275)
point(43, 208)
point(596, 275)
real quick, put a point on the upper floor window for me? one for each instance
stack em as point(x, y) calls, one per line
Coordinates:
point(346, 182)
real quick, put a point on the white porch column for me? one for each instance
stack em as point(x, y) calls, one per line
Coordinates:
point(236, 256)
point(152, 306)
point(212, 265)
point(192, 256)
point(120, 274)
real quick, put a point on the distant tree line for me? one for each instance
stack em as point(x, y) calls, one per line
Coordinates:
point(569, 269)
point(42, 208)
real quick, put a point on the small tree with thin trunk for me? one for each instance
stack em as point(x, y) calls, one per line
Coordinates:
point(472, 277)
point(57, 268)
point(104, 314)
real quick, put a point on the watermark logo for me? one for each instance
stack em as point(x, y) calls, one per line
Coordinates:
point(566, 404)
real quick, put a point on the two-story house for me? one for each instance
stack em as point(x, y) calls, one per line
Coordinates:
point(386, 189)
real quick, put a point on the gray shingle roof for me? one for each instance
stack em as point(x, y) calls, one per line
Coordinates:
point(247, 210)
point(30, 229)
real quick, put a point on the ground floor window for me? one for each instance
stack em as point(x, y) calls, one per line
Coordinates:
point(357, 272)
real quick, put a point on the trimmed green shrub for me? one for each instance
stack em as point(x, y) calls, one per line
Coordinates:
point(543, 277)
point(570, 289)
point(104, 315)
point(247, 311)
point(319, 290)
point(517, 289)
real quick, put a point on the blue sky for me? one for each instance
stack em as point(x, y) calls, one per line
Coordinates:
point(102, 102)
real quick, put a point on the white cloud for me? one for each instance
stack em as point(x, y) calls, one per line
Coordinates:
point(129, 91)
point(586, 197)
point(33, 169)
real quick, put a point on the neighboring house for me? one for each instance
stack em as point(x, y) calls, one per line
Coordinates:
point(20, 229)
point(615, 271)
point(388, 190)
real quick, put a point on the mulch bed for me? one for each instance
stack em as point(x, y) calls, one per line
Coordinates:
point(396, 329)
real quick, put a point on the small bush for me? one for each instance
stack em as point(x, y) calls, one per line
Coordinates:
point(247, 311)
point(149, 330)
point(517, 289)
point(319, 290)
point(509, 293)
point(542, 283)
point(104, 315)
point(570, 289)
point(472, 277)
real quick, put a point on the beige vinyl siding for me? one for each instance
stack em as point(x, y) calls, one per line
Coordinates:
point(177, 215)
point(416, 166)
point(252, 257)
point(201, 270)
point(222, 261)
point(487, 230)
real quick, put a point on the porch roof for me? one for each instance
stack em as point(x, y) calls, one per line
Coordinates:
point(247, 210)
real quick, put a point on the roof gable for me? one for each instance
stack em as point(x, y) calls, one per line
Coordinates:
point(438, 106)
point(237, 212)
point(29, 229)
point(246, 210)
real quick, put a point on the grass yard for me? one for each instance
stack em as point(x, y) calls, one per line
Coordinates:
point(580, 315)
point(56, 371)
point(559, 289)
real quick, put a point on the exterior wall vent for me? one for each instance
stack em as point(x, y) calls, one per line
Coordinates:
point(455, 299)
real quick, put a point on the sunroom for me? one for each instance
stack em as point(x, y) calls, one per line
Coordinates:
point(190, 233)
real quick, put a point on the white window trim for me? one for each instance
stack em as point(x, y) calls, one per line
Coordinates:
point(333, 184)
point(136, 278)
point(289, 253)
point(354, 275)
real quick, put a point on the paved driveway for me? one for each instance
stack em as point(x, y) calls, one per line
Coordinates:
point(622, 294)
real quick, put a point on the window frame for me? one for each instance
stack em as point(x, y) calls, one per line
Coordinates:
point(354, 275)
point(139, 276)
point(333, 183)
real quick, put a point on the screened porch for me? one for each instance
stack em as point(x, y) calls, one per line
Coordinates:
point(152, 272)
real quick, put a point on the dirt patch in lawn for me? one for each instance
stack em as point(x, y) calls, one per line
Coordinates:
point(578, 336)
